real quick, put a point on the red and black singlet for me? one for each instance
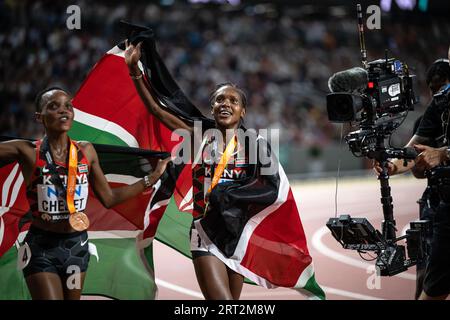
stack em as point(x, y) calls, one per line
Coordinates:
point(202, 173)
point(43, 196)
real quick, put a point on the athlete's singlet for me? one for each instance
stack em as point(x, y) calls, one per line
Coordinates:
point(43, 196)
point(237, 169)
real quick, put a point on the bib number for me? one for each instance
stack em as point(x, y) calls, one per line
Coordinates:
point(23, 256)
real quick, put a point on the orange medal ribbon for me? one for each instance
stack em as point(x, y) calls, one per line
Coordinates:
point(221, 165)
point(78, 220)
point(72, 178)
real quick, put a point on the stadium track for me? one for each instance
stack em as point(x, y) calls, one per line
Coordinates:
point(341, 273)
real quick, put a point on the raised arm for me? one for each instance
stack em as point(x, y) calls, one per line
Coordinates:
point(132, 56)
point(108, 196)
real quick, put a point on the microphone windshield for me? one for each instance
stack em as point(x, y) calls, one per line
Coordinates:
point(351, 80)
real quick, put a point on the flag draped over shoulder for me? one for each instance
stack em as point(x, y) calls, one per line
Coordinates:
point(108, 111)
point(269, 247)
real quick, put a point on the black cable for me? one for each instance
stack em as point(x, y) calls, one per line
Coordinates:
point(338, 173)
point(390, 136)
point(360, 254)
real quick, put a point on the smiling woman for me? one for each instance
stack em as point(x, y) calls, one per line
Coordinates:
point(58, 109)
point(54, 249)
point(228, 107)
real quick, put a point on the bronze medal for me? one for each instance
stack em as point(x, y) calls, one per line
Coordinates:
point(79, 221)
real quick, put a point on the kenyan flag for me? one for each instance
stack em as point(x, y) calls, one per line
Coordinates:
point(108, 112)
point(272, 249)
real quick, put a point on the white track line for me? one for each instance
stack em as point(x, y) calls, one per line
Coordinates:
point(327, 290)
point(348, 294)
point(266, 293)
point(322, 248)
point(179, 289)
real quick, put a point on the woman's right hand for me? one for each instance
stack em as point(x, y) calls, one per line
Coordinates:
point(160, 168)
point(132, 54)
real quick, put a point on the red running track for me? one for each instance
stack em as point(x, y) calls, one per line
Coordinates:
point(341, 273)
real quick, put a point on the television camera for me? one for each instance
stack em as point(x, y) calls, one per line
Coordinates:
point(377, 98)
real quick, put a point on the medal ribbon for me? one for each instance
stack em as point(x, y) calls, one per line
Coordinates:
point(223, 163)
point(72, 177)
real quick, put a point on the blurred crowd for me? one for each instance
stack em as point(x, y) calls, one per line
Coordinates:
point(282, 57)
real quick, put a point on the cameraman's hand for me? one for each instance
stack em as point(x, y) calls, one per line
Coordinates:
point(429, 157)
point(392, 168)
point(132, 56)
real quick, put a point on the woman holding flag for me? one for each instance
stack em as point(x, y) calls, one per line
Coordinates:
point(228, 107)
point(57, 172)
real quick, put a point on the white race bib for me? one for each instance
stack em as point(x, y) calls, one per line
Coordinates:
point(23, 256)
point(49, 201)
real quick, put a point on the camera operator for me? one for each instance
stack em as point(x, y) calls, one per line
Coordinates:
point(431, 141)
point(428, 204)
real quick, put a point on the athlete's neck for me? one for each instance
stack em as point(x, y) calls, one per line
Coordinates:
point(226, 138)
point(59, 145)
point(231, 130)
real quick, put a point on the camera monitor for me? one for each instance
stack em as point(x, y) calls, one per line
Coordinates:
point(355, 233)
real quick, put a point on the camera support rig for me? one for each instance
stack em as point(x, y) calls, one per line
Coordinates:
point(359, 234)
point(384, 104)
point(382, 154)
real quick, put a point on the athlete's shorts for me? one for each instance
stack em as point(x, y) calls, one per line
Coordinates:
point(198, 246)
point(437, 276)
point(60, 253)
